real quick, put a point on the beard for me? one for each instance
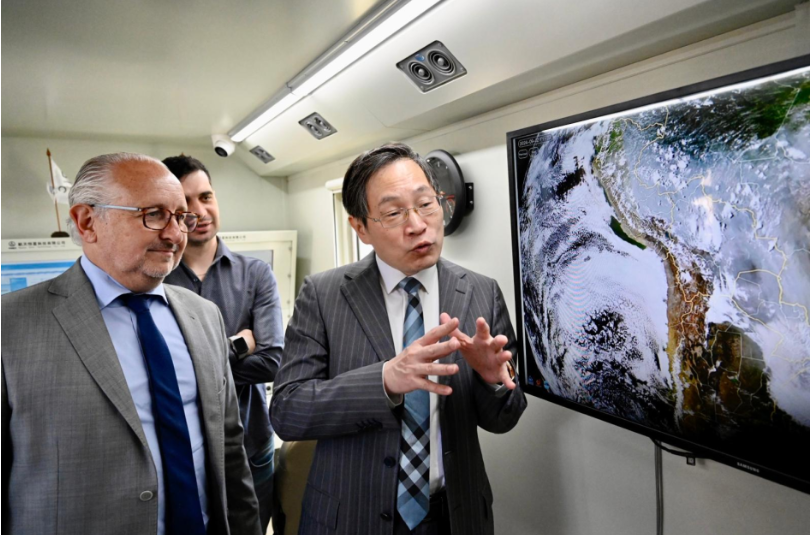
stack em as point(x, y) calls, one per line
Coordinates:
point(161, 271)
point(158, 273)
point(196, 240)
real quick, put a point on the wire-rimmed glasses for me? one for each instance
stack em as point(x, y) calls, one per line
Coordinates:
point(424, 207)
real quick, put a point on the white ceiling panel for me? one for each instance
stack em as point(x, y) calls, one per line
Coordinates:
point(185, 69)
point(151, 68)
point(511, 50)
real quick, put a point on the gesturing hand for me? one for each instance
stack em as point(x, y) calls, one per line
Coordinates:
point(482, 352)
point(408, 371)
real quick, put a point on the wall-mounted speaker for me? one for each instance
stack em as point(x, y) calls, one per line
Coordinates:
point(431, 67)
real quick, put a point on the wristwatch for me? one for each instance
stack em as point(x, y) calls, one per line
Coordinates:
point(239, 346)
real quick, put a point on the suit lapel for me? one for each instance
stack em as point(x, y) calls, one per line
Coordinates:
point(454, 291)
point(206, 375)
point(80, 318)
point(362, 291)
point(454, 298)
point(209, 383)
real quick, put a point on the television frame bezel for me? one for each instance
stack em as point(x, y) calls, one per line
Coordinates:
point(655, 434)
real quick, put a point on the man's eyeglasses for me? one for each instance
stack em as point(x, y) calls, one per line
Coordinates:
point(424, 207)
point(159, 218)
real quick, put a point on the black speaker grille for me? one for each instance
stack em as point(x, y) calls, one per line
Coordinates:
point(316, 125)
point(431, 67)
point(440, 62)
point(421, 72)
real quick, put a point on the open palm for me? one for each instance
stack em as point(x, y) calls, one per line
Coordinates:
point(484, 352)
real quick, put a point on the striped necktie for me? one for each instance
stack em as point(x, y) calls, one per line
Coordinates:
point(413, 500)
point(183, 509)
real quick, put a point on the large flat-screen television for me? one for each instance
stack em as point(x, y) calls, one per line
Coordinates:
point(662, 266)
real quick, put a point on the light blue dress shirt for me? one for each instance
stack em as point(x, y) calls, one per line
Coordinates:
point(122, 324)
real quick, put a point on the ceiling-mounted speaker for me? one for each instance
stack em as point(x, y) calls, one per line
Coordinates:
point(316, 125)
point(441, 62)
point(259, 152)
point(431, 67)
point(420, 72)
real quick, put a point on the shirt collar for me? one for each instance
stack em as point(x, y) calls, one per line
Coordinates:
point(222, 251)
point(108, 289)
point(391, 277)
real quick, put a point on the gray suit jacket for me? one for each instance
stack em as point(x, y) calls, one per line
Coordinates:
point(330, 388)
point(75, 457)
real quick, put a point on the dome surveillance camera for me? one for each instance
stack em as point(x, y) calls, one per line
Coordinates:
point(223, 145)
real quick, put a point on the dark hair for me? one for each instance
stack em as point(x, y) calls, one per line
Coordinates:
point(182, 166)
point(366, 165)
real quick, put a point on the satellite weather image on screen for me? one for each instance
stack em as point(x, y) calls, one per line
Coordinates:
point(664, 256)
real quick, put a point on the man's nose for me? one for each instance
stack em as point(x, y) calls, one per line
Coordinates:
point(172, 231)
point(415, 223)
point(197, 208)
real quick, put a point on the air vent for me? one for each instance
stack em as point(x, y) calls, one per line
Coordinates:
point(431, 67)
point(316, 125)
point(262, 154)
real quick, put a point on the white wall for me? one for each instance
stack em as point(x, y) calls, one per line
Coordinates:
point(560, 472)
point(247, 201)
point(309, 205)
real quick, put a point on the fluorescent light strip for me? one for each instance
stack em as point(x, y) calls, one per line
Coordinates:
point(362, 46)
point(355, 51)
point(268, 115)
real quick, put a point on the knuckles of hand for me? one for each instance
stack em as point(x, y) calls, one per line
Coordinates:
point(415, 363)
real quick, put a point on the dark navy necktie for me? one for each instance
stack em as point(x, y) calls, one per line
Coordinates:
point(413, 500)
point(183, 511)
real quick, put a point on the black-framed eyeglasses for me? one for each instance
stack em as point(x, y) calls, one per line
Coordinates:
point(159, 218)
point(424, 207)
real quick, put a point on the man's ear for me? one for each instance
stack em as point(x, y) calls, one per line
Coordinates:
point(360, 228)
point(85, 219)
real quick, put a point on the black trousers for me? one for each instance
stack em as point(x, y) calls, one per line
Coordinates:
point(437, 521)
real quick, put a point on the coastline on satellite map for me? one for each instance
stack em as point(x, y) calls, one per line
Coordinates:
point(665, 261)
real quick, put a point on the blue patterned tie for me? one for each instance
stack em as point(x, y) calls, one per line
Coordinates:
point(183, 510)
point(413, 500)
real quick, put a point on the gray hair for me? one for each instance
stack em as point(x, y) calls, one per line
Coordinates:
point(94, 182)
point(366, 165)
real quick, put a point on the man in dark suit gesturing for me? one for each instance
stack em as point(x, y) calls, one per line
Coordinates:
point(392, 363)
point(118, 406)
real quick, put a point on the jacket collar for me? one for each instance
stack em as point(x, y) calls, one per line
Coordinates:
point(80, 318)
point(362, 290)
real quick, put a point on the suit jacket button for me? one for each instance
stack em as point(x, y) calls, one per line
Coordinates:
point(146, 495)
point(390, 462)
point(385, 516)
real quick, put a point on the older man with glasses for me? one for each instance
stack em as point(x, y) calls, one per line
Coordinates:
point(119, 413)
